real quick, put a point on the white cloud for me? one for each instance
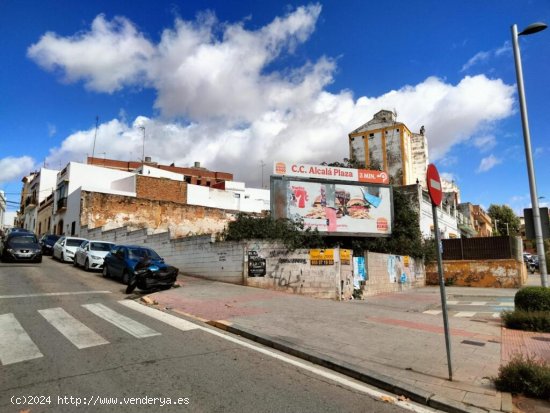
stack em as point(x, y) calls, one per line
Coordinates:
point(222, 103)
point(488, 163)
point(52, 130)
point(485, 56)
point(12, 168)
point(485, 143)
point(109, 56)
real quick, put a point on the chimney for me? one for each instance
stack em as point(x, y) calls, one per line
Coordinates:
point(197, 165)
point(147, 159)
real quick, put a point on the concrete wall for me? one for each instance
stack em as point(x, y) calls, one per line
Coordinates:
point(508, 273)
point(291, 271)
point(385, 273)
point(235, 197)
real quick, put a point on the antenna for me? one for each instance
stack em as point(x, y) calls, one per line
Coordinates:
point(95, 135)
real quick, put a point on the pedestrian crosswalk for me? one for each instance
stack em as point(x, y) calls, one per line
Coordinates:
point(460, 309)
point(16, 345)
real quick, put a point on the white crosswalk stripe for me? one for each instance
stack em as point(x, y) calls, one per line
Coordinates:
point(169, 319)
point(76, 332)
point(124, 323)
point(15, 343)
point(433, 312)
point(465, 314)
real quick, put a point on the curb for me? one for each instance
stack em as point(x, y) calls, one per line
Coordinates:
point(364, 375)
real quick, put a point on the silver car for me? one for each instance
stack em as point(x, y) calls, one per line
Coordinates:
point(65, 248)
point(90, 254)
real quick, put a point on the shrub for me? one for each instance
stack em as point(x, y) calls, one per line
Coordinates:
point(527, 320)
point(525, 375)
point(533, 299)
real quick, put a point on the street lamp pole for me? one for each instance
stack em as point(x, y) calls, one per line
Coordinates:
point(533, 28)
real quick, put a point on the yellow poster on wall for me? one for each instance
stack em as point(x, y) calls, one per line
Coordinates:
point(345, 257)
point(321, 257)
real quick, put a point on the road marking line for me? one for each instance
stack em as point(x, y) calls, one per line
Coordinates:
point(54, 294)
point(506, 304)
point(350, 383)
point(478, 303)
point(124, 323)
point(76, 332)
point(453, 302)
point(15, 343)
point(465, 314)
point(169, 319)
point(433, 312)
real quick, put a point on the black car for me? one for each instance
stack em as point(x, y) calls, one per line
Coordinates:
point(46, 243)
point(21, 246)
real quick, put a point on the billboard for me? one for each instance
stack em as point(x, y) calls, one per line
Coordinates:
point(301, 170)
point(333, 207)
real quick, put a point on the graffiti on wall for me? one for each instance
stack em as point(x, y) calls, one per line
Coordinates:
point(401, 269)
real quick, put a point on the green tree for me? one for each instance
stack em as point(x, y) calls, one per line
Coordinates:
point(504, 219)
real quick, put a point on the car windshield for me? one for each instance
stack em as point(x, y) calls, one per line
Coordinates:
point(139, 253)
point(74, 242)
point(24, 239)
point(51, 238)
point(100, 246)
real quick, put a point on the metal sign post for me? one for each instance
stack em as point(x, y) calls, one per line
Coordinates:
point(436, 195)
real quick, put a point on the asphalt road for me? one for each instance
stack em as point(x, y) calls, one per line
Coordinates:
point(69, 342)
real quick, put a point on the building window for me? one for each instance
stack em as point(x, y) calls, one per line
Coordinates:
point(73, 228)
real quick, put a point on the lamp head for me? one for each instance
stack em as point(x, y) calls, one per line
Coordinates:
point(533, 28)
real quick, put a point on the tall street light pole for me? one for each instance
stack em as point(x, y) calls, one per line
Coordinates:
point(533, 28)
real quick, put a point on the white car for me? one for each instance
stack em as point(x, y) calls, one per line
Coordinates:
point(90, 254)
point(65, 248)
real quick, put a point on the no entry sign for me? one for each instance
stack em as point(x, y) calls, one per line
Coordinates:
point(434, 185)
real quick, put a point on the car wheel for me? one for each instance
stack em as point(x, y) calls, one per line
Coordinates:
point(75, 264)
point(38, 260)
point(87, 265)
point(125, 277)
point(105, 272)
point(61, 258)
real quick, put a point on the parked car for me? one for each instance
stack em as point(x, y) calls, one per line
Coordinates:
point(20, 246)
point(16, 230)
point(91, 254)
point(65, 248)
point(47, 242)
point(139, 266)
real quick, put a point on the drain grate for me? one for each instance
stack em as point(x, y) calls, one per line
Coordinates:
point(473, 343)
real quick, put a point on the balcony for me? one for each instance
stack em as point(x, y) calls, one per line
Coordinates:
point(30, 202)
point(62, 204)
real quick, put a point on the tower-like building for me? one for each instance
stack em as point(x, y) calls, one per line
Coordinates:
point(383, 143)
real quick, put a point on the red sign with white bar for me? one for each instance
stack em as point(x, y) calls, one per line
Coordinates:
point(330, 172)
point(434, 185)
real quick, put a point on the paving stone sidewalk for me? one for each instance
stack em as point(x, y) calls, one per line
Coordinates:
point(385, 340)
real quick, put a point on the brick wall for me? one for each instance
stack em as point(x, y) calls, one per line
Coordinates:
point(385, 273)
point(115, 211)
point(507, 273)
point(161, 189)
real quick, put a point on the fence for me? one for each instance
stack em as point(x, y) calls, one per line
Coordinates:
point(482, 248)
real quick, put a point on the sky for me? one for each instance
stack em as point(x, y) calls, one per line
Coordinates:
point(240, 84)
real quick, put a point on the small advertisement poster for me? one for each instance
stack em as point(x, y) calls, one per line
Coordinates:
point(321, 257)
point(359, 273)
point(256, 265)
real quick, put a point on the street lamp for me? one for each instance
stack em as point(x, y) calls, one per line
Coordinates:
point(533, 28)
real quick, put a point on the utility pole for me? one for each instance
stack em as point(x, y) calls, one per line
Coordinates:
point(143, 150)
point(262, 163)
point(95, 135)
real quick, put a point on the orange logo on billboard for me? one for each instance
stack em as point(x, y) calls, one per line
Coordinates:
point(382, 225)
point(375, 177)
point(280, 168)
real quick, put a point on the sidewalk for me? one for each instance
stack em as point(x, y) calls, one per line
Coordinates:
point(385, 340)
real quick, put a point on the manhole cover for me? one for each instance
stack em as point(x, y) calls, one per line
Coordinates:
point(541, 338)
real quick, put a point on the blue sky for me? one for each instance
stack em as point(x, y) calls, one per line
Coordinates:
point(234, 83)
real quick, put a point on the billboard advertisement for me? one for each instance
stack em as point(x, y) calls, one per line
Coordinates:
point(301, 170)
point(334, 208)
